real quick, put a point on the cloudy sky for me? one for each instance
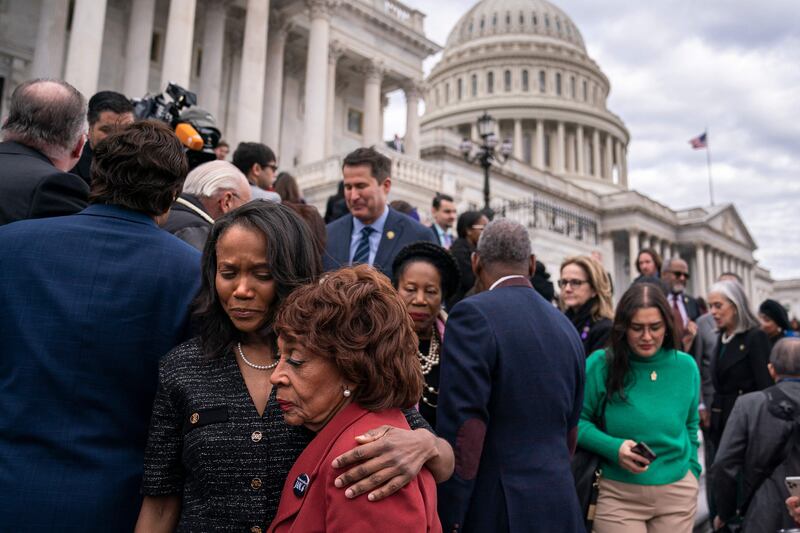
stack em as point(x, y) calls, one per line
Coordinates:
point(676, 68)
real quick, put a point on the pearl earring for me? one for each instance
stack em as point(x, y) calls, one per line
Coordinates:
point(346, 392)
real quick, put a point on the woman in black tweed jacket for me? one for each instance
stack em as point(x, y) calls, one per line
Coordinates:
point(218, 450)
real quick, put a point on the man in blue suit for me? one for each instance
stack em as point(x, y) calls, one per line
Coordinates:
point(373, 232)
point(88, 304)
point(510, 395)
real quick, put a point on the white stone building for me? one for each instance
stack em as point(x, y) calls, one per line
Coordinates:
point(310, 79)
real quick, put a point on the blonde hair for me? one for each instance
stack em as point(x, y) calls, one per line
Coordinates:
point(598, 280)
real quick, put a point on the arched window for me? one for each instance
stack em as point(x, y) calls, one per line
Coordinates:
point(525, 84)
point(490, 82)
point(542, 81)
point(521, 18)
point(558, 25)
point(494, 20)
point(508, 18)
point(446, 93)
point(483, 23)
point(534, 19)
point(507, 81)
point(585, 91)
point(558, 83)
point(474, 85)
point(573, 88)
point(459, 88)
point(547, 22)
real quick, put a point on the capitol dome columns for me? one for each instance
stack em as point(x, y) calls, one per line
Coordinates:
point(580, 151)
point(412, 119)
point(315, 87)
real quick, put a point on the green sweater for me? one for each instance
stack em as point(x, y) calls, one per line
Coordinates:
point(662, 413)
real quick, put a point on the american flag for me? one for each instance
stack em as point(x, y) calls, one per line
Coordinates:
point(699, 142)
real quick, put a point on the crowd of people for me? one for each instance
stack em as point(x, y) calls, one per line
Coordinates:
point(201, 350)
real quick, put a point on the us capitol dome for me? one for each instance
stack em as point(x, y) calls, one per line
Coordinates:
point(525, 63)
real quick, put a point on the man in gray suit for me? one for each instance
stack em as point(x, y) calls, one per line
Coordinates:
point(373, 233)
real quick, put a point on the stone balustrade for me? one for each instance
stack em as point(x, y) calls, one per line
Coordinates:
point(399, 11)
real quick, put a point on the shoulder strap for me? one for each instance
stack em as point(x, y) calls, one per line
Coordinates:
point(205, 216)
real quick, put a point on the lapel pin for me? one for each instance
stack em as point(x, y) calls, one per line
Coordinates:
point(300, 485)
point(390, 235)
point(741, 347)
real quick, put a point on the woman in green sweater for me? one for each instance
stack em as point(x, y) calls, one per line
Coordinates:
point(652, 395)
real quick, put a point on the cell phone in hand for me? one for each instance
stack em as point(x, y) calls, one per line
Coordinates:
point(644, 450)
point(793, 485)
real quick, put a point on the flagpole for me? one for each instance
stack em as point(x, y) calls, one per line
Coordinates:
point(708, 162)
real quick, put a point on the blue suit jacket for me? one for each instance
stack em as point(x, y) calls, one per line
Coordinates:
point(510, 391)
point(88, 304)
point(398, 232)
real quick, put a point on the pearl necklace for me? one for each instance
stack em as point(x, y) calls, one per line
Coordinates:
point(727, 338)
point(428, 362)
point(253, 365)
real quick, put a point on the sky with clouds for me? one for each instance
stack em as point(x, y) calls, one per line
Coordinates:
point(676, 68)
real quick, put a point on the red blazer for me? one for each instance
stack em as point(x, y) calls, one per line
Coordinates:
point(320, 506)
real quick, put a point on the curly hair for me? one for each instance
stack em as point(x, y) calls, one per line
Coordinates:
point(603, 306)
point(433, 254)
point(354, 317)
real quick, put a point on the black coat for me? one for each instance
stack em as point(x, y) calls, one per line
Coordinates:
point(594, 333)
point(738, 367)
point(83, 167)
point(31, 187)
point(462, 253)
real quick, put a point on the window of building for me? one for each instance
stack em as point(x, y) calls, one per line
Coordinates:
point(459, 88)
point(494, 20)
point(542, 81)
point(585, 91)
point(534, 19)
point(437, 97)
point(483, 24)
point(508, 18)
point(507, 81)
point(573, 88)
point(198, 61)
point(547, 154)
point(594, 94)
point(471, 25)
point(521, 18)
point(490, 82)
point(155, 47)
point(547, 22)
point(446, 93)
point(558, 83)
point(355, 120)
point(558, 25)
point(525, 84)
point(474, 85)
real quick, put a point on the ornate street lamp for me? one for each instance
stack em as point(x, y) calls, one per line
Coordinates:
point(487, 151)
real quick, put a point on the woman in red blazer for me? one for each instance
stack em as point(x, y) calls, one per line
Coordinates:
point(347, 364)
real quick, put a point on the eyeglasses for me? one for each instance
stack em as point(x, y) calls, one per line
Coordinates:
point(573, 283)
point(680, 274)
point(273, 166)
point(478, 227)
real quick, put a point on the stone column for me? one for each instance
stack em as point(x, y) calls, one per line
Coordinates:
point(623, 167)
point(571, 153)
point(48, 56)
point(673, 251)
point(718, 262)
point(251, 76)
point(538, 153)
point(85, 45)
point(609, 166)
point(473, 132)
point(598, 172)
point(618, 156)
point(700, 265)
point(335, 51)
point(373, 77)
point(315, 86)
point(561, 146)
point(273, 85)
point(709, 273)
point(177, 64)
point(211, 66)
point(412, 120)
point(518, 152)
point(664, 250)
point(580, 152)
point(633, 252)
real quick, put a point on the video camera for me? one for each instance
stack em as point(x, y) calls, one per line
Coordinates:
point(195, 127)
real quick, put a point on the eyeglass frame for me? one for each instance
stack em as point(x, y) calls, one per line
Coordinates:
point(573, 283)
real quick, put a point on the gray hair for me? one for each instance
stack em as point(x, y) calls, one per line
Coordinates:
point(211, 177)
point(504, 241)
point(734, 292)
point(47, 115)
point(785, 356)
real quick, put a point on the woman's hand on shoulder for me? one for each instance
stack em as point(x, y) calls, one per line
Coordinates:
point(627, 458)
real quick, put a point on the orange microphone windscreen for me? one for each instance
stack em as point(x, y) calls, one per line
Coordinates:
point(189, 136)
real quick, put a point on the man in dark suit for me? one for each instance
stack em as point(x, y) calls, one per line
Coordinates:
point(42, 139)
point(510, 396)
point(88, 304)
point(685, 310)
point(373, 232)
point(108, 110)
point(443, 209)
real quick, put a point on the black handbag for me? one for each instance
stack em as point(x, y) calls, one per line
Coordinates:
point(587, 474)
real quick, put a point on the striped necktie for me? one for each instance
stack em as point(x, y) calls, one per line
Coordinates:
point(362, 250)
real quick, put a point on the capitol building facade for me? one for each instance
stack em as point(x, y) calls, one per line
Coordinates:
point(310, 79)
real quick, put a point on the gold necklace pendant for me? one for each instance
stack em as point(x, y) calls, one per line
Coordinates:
point(653, 376)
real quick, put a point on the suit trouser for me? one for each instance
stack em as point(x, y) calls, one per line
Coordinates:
point(629, 508)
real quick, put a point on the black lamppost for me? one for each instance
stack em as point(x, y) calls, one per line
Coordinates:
point(486, 153)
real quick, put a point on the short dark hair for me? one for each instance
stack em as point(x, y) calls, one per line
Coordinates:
point(465, 221)
point(434, 255)
point(618, 356)
point(379, 165)
point(223, 143)
point(42, 118)
point(248, 154)
point(141, 167)
point(437, 200)
point(292, 258)
point(354, 318)
point(107, 101)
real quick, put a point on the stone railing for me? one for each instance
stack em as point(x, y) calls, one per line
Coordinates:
point(399, 11)
point(412, 171)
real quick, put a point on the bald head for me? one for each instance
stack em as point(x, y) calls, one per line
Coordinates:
point(48, 116)
point(785, 357)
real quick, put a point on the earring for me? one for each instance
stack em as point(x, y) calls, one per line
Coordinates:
point(346, 391)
